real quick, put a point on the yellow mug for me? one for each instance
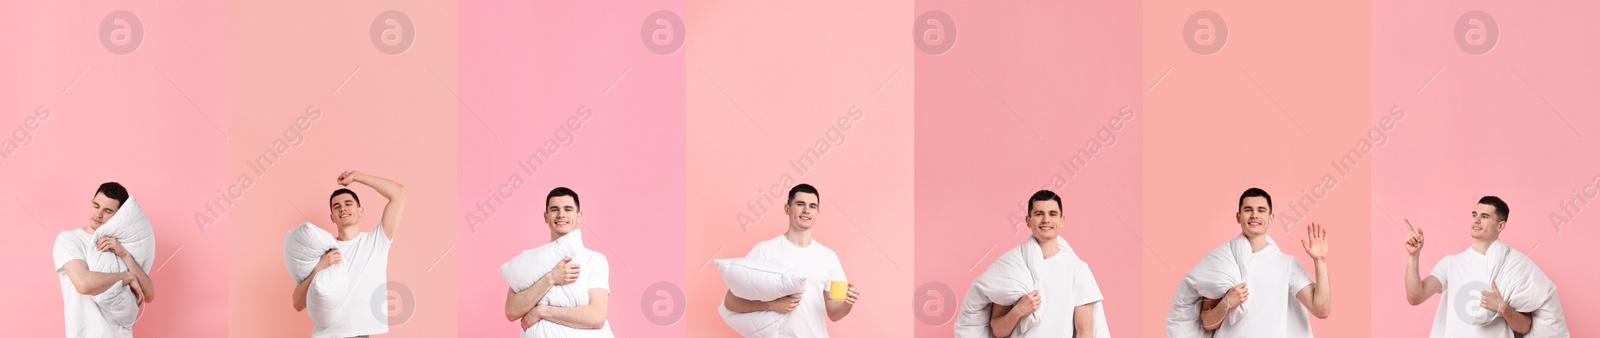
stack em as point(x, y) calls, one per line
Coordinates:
point(837, 290)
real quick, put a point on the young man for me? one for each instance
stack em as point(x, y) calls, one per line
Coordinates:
point(79, 285)
point(562, 213)
point(1478, 305)
point(369, 257)
point(1255, 307)
point(1066, 280)
point(796, 248)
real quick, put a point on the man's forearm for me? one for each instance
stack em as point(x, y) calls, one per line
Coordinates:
point(389, 189)
point(1414, 288)
point(1519, 322)
point(1211, 318)
point(89, 282)
point(146, 285)
point(299, 295)
point(1001, 321)
point(1322, 294)
point(837, 309)
point(519, 303)
point(579, 317)
point(741, 305)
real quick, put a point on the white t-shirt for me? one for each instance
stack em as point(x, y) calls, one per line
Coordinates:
point(1274, 280)
point(366, 310)
point(82, 314)
point(1464, 276)
point(1067, 284)
point(821, 267)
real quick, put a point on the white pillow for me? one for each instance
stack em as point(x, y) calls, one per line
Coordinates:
point(752, 324)
point(526, 268)
point(761, 279)
point(132, 229)
point(302, 249)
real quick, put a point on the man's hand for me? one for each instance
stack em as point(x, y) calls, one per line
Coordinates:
point(1235, 296)
point(346, 178)
point(1413, 239)
point(851, 296)
point(138, 289)
point(784, 305)
point(112, 245)
point(1492, 300)
point(565, 272)
point(329, 259)
point(1028, 304)
point(1317, 247)
point(533, 317)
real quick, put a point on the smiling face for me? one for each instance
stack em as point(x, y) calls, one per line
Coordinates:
point(1045, 220)
point(343, 210)
point(802, 210)
point(1486, 225)
point(1254, 215)
point(100, 210)
point(562, 214)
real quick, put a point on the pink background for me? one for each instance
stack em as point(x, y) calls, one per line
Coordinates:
point(1516, 122)
point(1272, 109)
point(536, 65)
point(766, 81)
point(1017, 95)
point(149, 119)
point(394, 117)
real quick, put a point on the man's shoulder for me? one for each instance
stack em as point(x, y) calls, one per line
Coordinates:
point(73, 237)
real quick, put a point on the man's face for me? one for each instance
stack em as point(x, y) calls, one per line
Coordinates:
point(802, 210)
point(562, 214)
point(100, 210)
point(1254, 216)
point(1485, 224)
point(343, 210)
point(1045, 220)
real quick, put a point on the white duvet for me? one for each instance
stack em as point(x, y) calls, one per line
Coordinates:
point(1524, 286)
point(1013, 275)
point(132, 229)
point(302, 249)
point(1220, 270)
point(526, 268)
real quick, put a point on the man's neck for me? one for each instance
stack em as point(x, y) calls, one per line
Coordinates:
point(349, 232)
point(1482, 245)
point(89, 229)
point(1049, 247)
point(556, 235)
point(1257, 242)
point(798, 237)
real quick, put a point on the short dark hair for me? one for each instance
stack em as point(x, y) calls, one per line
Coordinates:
point(1043, 195)
point(343, 191)
point(805, 188)
point(563, 191)
point(113, 190)
point(1256, 192)
point(1500, 208)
